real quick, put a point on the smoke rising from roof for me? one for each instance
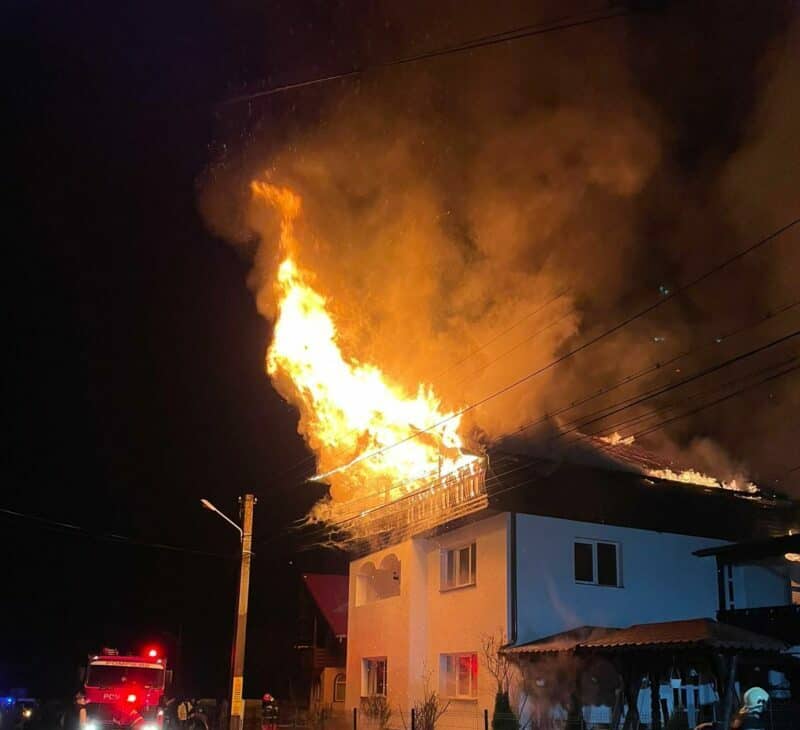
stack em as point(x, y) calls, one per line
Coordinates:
point(470, 218)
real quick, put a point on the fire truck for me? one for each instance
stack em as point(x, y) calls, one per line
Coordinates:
point(125, 691)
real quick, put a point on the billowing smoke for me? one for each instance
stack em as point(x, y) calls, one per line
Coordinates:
point(471, 218)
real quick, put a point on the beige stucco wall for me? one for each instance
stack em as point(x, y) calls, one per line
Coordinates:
point(327, 678)
point(413, 629)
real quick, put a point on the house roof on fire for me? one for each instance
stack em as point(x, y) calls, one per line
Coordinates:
point(530, 485)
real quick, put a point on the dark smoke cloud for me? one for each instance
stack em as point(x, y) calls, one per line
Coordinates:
point(573, 173)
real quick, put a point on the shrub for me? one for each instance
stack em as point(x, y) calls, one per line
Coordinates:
point(503, 717)
point(377, 709)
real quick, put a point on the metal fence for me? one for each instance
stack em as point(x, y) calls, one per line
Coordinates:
point(780, 716)
point(454, 717)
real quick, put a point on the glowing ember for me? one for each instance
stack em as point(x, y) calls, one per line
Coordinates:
point(692, 476)
point(615, 439)
point(687, 476)
point(349, 409)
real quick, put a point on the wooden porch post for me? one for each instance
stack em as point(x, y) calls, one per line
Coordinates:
point(655, 699)
point(619, 704)
point(730, 680)
point(633, 683)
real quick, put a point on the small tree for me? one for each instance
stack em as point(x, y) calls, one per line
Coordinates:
point(377, 710)
point(496, 663)
point(506, 677)
point(428, 709)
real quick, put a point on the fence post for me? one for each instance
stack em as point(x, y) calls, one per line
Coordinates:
point(413, 719)
point(355, 718)
point(485, 719)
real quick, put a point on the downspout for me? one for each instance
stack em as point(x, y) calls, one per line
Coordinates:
point(512, 577)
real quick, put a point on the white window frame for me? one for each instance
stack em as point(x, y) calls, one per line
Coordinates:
point(448, 672)
point(595, 577)
point(456, 552)
point(367, 679)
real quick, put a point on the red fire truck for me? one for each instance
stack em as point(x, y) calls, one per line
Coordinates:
point(125, 691)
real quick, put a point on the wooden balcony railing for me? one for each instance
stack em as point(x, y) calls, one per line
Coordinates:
point(782, 622)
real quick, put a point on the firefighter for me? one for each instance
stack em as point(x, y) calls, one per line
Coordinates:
point(77, 717)
point(752, 714)
point(269, 712)
point(183, 712)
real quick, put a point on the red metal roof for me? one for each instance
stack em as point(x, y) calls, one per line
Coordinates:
point(564, 641)
point(694, 632)
point(330, 593)
point(668, 634)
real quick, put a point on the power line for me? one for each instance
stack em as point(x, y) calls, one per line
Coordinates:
point(574, 351)
point(525, 31)
point(633, 401)
point(724, 398)
point(627, 380)
point(658, 366)
point(46, 523)
point(612, 410)
point(472, 354)
point(515, 347)
point(660, 410)
point(495, 478)
point(496, 337)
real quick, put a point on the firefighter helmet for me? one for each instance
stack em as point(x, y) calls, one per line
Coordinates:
point(754, 699)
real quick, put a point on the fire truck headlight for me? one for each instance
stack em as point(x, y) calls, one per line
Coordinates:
point(150, 726)
point(91, 725)
point(131, 698)
point(27, 712)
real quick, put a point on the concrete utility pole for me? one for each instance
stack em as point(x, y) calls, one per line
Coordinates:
point(237, 704)
point(237, 656)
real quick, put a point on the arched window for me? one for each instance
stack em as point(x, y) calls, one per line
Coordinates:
point(339, 688)
point(389, 576)
point(373, 583)
point(365, 584)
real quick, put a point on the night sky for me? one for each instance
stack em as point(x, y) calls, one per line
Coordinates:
point(137, 358)
point(137, 381)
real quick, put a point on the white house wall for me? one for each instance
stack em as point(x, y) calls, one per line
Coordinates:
point(382, 628)
point(412, 630)
point(764, 586)
point(661, 579)
point(458, 619)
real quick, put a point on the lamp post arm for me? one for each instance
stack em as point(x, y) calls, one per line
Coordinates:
point(225, 517)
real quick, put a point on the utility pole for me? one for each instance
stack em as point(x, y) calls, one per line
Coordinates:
point(237, 656)
point(237, 660)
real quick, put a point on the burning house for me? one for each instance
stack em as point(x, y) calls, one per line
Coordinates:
point(555, 548)
point(452, 543)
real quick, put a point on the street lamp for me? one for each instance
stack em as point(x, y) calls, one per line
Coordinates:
point(211, 508)
point(237, 658)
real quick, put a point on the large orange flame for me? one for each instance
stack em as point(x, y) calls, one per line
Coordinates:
point(369, 435)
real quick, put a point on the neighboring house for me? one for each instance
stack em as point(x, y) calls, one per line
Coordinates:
point(552, 548)
point(323, 643)
point(752, 587)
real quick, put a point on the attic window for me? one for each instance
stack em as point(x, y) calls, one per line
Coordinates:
point(597, 563)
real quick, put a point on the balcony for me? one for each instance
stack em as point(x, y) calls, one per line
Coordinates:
point(435, 501)
point(321, 658)
point(782, 622)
